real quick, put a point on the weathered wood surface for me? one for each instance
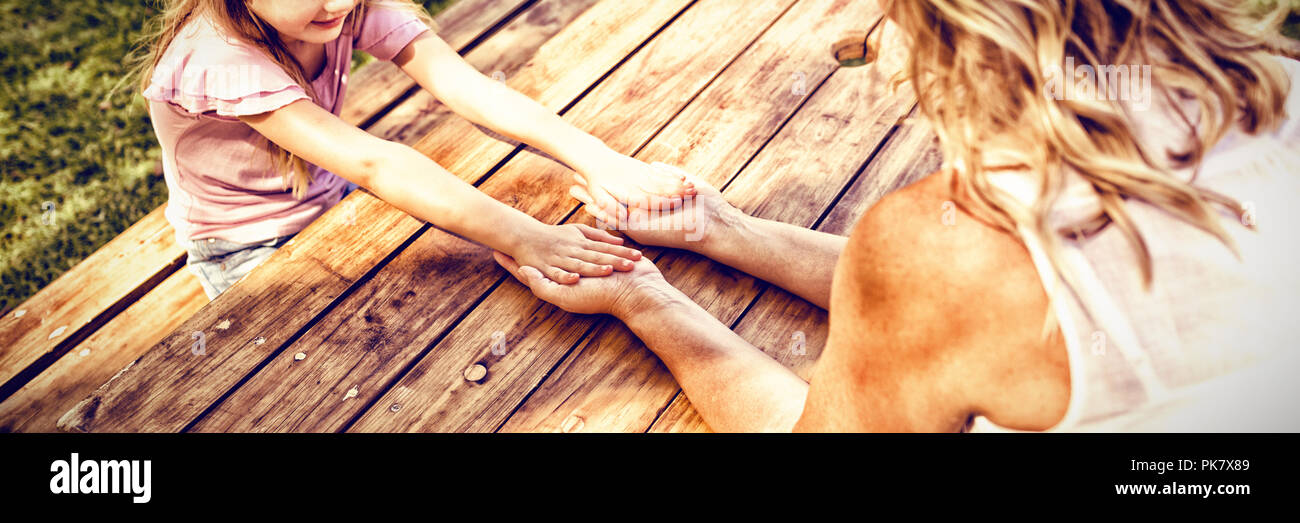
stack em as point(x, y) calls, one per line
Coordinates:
point(379, 84)
point(772, 322)
point(611, 382)
point(127, 269)
point(42, 329)
point(414, 300)
point(169, 387)
point(373, 321)
point(724, 126)
point(38, 404)
point(509, 49)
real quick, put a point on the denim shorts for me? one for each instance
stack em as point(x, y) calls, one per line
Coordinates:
point(219, 263)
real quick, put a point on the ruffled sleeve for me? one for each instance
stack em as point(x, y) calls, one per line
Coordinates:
point(386, 31)
point(203, 73)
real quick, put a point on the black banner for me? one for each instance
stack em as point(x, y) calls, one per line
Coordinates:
point(132, 473)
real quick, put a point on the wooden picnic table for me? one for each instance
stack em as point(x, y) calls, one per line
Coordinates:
point(371, 320)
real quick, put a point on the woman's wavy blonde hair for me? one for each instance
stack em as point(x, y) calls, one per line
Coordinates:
point(239, 21)
point(979, 67)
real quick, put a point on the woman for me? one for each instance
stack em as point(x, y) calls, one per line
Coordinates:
point(1122, 260)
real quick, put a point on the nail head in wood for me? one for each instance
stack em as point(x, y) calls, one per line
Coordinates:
point(475, 372)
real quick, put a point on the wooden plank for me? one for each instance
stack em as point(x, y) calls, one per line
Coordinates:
point(745, 106)
point(37, 406)
point(771, 323)
point(378, 84)
point(392, 313)
point(504, 54)
point(465, 21)
point(171, 384)
point(47, 325)
point(911, 154)
point(168, 387)
point(43, 328)
point(611, 382)
point(556, 76)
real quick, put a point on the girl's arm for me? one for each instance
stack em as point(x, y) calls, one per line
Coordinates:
point(612, 177)
point(415, 184)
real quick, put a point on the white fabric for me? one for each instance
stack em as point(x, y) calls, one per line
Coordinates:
point(1213, 346)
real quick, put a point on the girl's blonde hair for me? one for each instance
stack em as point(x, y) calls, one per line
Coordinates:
point(239, 21)
point(979, 69)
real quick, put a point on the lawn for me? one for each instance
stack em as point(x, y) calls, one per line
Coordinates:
point(79, 168)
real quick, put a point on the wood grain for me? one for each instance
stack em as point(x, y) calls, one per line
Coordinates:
point(38, 404)
point(794, 179)
point(425, 290)
point(504, 54)
point(539, 337)
point(88, 297)
point(172, 383)
point(168, 387)
point(43, 328)
point(379, 84)
point(911, 154)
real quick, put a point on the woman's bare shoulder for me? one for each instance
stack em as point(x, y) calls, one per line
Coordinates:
point(924, 226)
point(959, 294)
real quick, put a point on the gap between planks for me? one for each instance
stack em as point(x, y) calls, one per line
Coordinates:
point(460, 22)
point(494, 278)
point(441, 354)
point(594, 345)
point(159, 406)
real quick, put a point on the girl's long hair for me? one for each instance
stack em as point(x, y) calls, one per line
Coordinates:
point(979, 67)
point(234, 17)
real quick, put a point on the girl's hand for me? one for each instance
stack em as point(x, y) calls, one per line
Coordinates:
point(624, 182)
point(563, 253)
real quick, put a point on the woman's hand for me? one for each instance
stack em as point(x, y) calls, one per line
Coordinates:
point(685, 226)
point(621, 182)
point(563, 253)
point(621, 295)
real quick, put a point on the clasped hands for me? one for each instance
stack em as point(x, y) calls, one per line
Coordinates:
point(686, 223)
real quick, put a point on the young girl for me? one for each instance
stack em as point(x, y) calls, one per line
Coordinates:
point(242, 92)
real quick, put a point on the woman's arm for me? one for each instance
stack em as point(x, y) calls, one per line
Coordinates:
point(490, 103)
point(734, 386)
point(868, 378)
point(799, 260)
point(415, 184)
point(929, 324)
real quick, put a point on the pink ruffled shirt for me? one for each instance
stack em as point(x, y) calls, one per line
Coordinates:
point(219, 178)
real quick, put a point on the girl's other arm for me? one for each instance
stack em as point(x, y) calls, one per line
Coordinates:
point(466, 91)
point(417, 185)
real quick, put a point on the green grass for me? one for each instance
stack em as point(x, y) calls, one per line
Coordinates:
point(1291, 28)
point(93, 164)
point(75, 173)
